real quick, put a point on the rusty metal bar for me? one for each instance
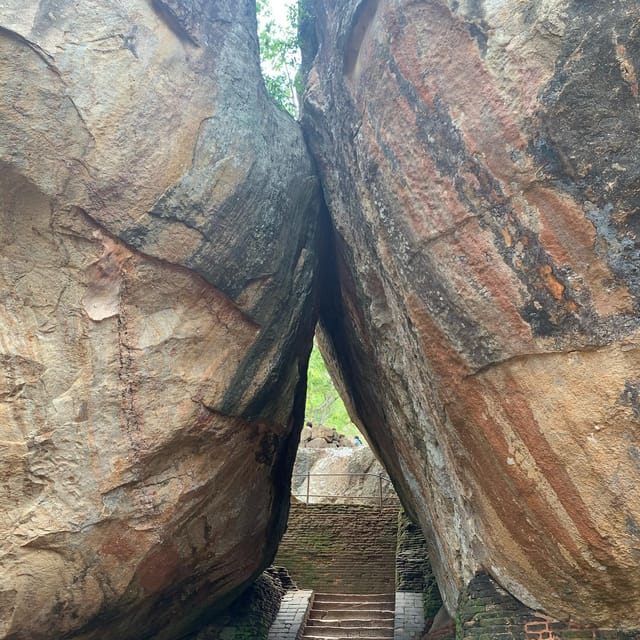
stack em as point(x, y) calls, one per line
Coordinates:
point(309, 495)
point(318, 495)
point(328, 475)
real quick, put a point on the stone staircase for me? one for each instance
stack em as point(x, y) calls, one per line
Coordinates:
point(346, 616)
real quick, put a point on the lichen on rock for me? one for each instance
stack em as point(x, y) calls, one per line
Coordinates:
point(159, 221)
point(477, 161)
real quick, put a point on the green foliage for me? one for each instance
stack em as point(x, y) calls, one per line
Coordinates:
point(280, 55)
point(324, 405)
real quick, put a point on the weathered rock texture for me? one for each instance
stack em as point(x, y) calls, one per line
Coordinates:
point(340, 475)
point(156, 313)
point(488, 611)
point(480, 161)
point(323, 437)
point(251, 616)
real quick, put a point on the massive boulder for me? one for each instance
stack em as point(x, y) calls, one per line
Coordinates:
point(158, 220)
point(481, 162)
point(339, 475)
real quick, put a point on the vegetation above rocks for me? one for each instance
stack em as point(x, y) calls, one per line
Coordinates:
point(280, 55)
point(324, 405)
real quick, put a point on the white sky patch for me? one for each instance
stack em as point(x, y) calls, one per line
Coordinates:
point(280, 61)
point(279, 9)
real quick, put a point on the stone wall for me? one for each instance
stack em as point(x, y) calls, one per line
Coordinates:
point(487, 612)
point(411, 560)
point(341, 548)
point(250, 617)
point(413, 569)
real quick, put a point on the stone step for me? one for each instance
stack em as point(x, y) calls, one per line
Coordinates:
point(351, 623)
point(323, 637)
point(332, 633)
point(354, 607)
point(341, 616)
point(351, 614)
point(354, 597)
point(345, 603)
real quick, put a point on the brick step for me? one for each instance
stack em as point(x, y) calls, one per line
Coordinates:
point(351, 614)
point(323, 637)
point(355, 606)
point(332, 633)
point(351, 623)
point(346, 616)
point(354, 597)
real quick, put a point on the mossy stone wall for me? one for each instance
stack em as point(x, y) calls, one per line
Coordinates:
point(413, 568)
point(339, 548)
point(488, 612)
point(251, 615)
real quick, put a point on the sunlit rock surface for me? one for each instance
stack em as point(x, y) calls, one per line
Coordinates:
point(338, 474)
point(157, 219)
point(480, 161)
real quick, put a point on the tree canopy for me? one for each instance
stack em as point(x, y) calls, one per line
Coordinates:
point(280, 55)
point(324, 405)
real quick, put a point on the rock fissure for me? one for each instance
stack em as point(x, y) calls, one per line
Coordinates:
point(46, 57)
point(186, 223)
point(539, 354)
point(167, 253)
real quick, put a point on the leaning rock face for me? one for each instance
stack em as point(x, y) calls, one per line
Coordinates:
point(481, 166)
point(156, 269)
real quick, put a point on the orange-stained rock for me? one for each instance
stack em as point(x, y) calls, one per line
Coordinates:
point(480, 162)
point(157, 227)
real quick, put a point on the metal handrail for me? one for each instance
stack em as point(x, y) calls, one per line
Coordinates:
point(308, 494)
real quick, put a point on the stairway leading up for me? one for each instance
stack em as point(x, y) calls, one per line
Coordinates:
point(347, 616)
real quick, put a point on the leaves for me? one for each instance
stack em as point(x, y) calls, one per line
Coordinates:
point(280, 55)
point(324, 405)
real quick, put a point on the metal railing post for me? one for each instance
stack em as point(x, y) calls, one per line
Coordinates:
point(308, 495)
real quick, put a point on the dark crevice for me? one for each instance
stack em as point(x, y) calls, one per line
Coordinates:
point(345, 362)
